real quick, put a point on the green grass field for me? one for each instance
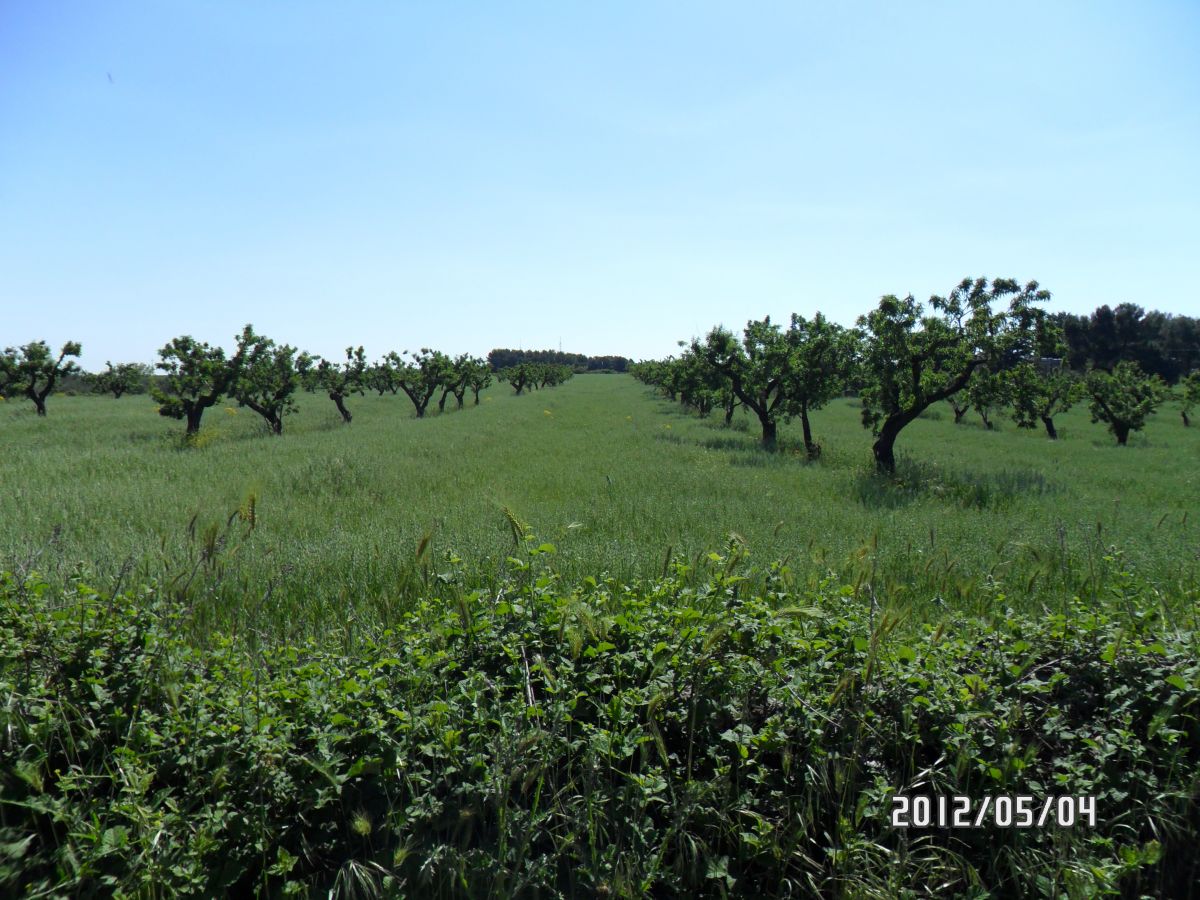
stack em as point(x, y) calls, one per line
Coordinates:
point(345, 662)
point(615, 478)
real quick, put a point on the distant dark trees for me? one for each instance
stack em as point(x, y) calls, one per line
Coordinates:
point(1160, 343)
point(506, 359)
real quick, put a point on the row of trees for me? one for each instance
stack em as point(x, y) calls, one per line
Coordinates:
point(983, 345)
point(264, 376)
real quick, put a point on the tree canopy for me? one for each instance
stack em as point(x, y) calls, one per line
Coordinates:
point(914, 357)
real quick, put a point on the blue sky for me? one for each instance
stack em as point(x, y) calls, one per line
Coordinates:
point(611, 176)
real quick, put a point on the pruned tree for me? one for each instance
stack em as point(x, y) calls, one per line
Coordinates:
point(421, 377)
point(518, 377)
point(382, 378)
point(479, 376)
point(268, 375)
point(657, 374)
point(961, 405)
point(1039, 391)
point(696, 381)
point(986, 393)
point(121, 379)
point(195, 377)
point(779, 374)
point(551, 374)
point(823, 355)
point(913, 359)
point(1043, 386)
point(341, 380)
point(1124, 398)
point(1189, 396)
point(757, 369)
point(33, 370)
point(454, 381)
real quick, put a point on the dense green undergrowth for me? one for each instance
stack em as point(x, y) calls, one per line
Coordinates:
point(715, 736)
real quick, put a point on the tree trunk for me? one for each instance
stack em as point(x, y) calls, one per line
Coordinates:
point(1051, 431)
point(341, 406)
point(1121, 430)
point(812, 449)
point(728, 414)
point(1186, 420)
point(476, 396)
point(442, 402)
point(769, 431)
point(39, 403)
point(958, 415)
point(987, 423)
point(458, 397)
point(193, 419)
point(884, 446)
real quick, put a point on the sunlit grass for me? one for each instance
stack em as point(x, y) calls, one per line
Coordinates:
point(614, 477)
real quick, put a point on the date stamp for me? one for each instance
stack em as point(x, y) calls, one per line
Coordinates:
point(1001, 811)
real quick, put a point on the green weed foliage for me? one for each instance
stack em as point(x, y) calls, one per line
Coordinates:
point(681, 734)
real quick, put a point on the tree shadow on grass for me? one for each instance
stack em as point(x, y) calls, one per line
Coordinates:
point(964, 488)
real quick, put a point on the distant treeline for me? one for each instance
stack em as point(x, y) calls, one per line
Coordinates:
point(1162, 344)
point(503, 358)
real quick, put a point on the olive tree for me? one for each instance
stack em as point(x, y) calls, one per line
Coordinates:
point(121, 379)
point(340, 380)
point(195, 377)
point(1124, 398)
point(268, 375)
point(33, 370)
point(913, 358)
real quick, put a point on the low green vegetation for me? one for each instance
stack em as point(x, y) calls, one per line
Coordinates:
point(687, 734)
point(582, 641)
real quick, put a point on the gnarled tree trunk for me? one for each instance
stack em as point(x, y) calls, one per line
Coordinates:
point(338, 401)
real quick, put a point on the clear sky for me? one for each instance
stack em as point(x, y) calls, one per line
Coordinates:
point(611, 176)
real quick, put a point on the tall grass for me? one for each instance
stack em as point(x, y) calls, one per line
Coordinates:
point(615, 478)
